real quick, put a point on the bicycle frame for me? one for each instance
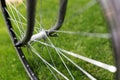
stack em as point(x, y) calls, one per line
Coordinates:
point(30, 28)
point(31, 20)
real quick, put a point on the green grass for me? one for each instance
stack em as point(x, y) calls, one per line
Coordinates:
point(89, 21)
point(10, 66)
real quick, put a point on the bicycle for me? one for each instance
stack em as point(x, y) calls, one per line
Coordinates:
point(66, 64)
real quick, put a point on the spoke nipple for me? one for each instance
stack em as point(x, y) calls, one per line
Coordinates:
point(27, 65)
point(22, 56)
point(32, 74)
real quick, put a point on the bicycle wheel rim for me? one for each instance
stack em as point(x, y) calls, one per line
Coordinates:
point(14, 40)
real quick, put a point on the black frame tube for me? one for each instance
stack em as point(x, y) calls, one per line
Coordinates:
point(31, 5)
point(61, 17)
point(31, 20)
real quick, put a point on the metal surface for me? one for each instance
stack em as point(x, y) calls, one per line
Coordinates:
point(62, 12)
point(111, 10)
point(30, 22)
point(14, 40)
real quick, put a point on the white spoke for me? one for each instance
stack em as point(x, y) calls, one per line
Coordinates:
point(87, 6)
point(50, 56)
point(83, 9)
point(64, 64)
point(94, 35)
point(14, 18)
point(52, 72)
point(16, 34)
point(48, 63)
point(97, 63)
point(38, 63)
point(85, 72)
point(19, 13)
point(61, 59)
point(18, 21)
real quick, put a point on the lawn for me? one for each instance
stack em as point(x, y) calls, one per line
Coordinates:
point(79, 18)
point(10, 66)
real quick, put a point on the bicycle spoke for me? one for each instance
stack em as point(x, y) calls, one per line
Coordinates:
point(48, 63)
point(87, 34)
point(60, 52)
point(97, 63)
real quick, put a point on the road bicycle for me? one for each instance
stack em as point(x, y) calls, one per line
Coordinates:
point(49, 49)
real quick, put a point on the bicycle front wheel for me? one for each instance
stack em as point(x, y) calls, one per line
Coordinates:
point(81, 49)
